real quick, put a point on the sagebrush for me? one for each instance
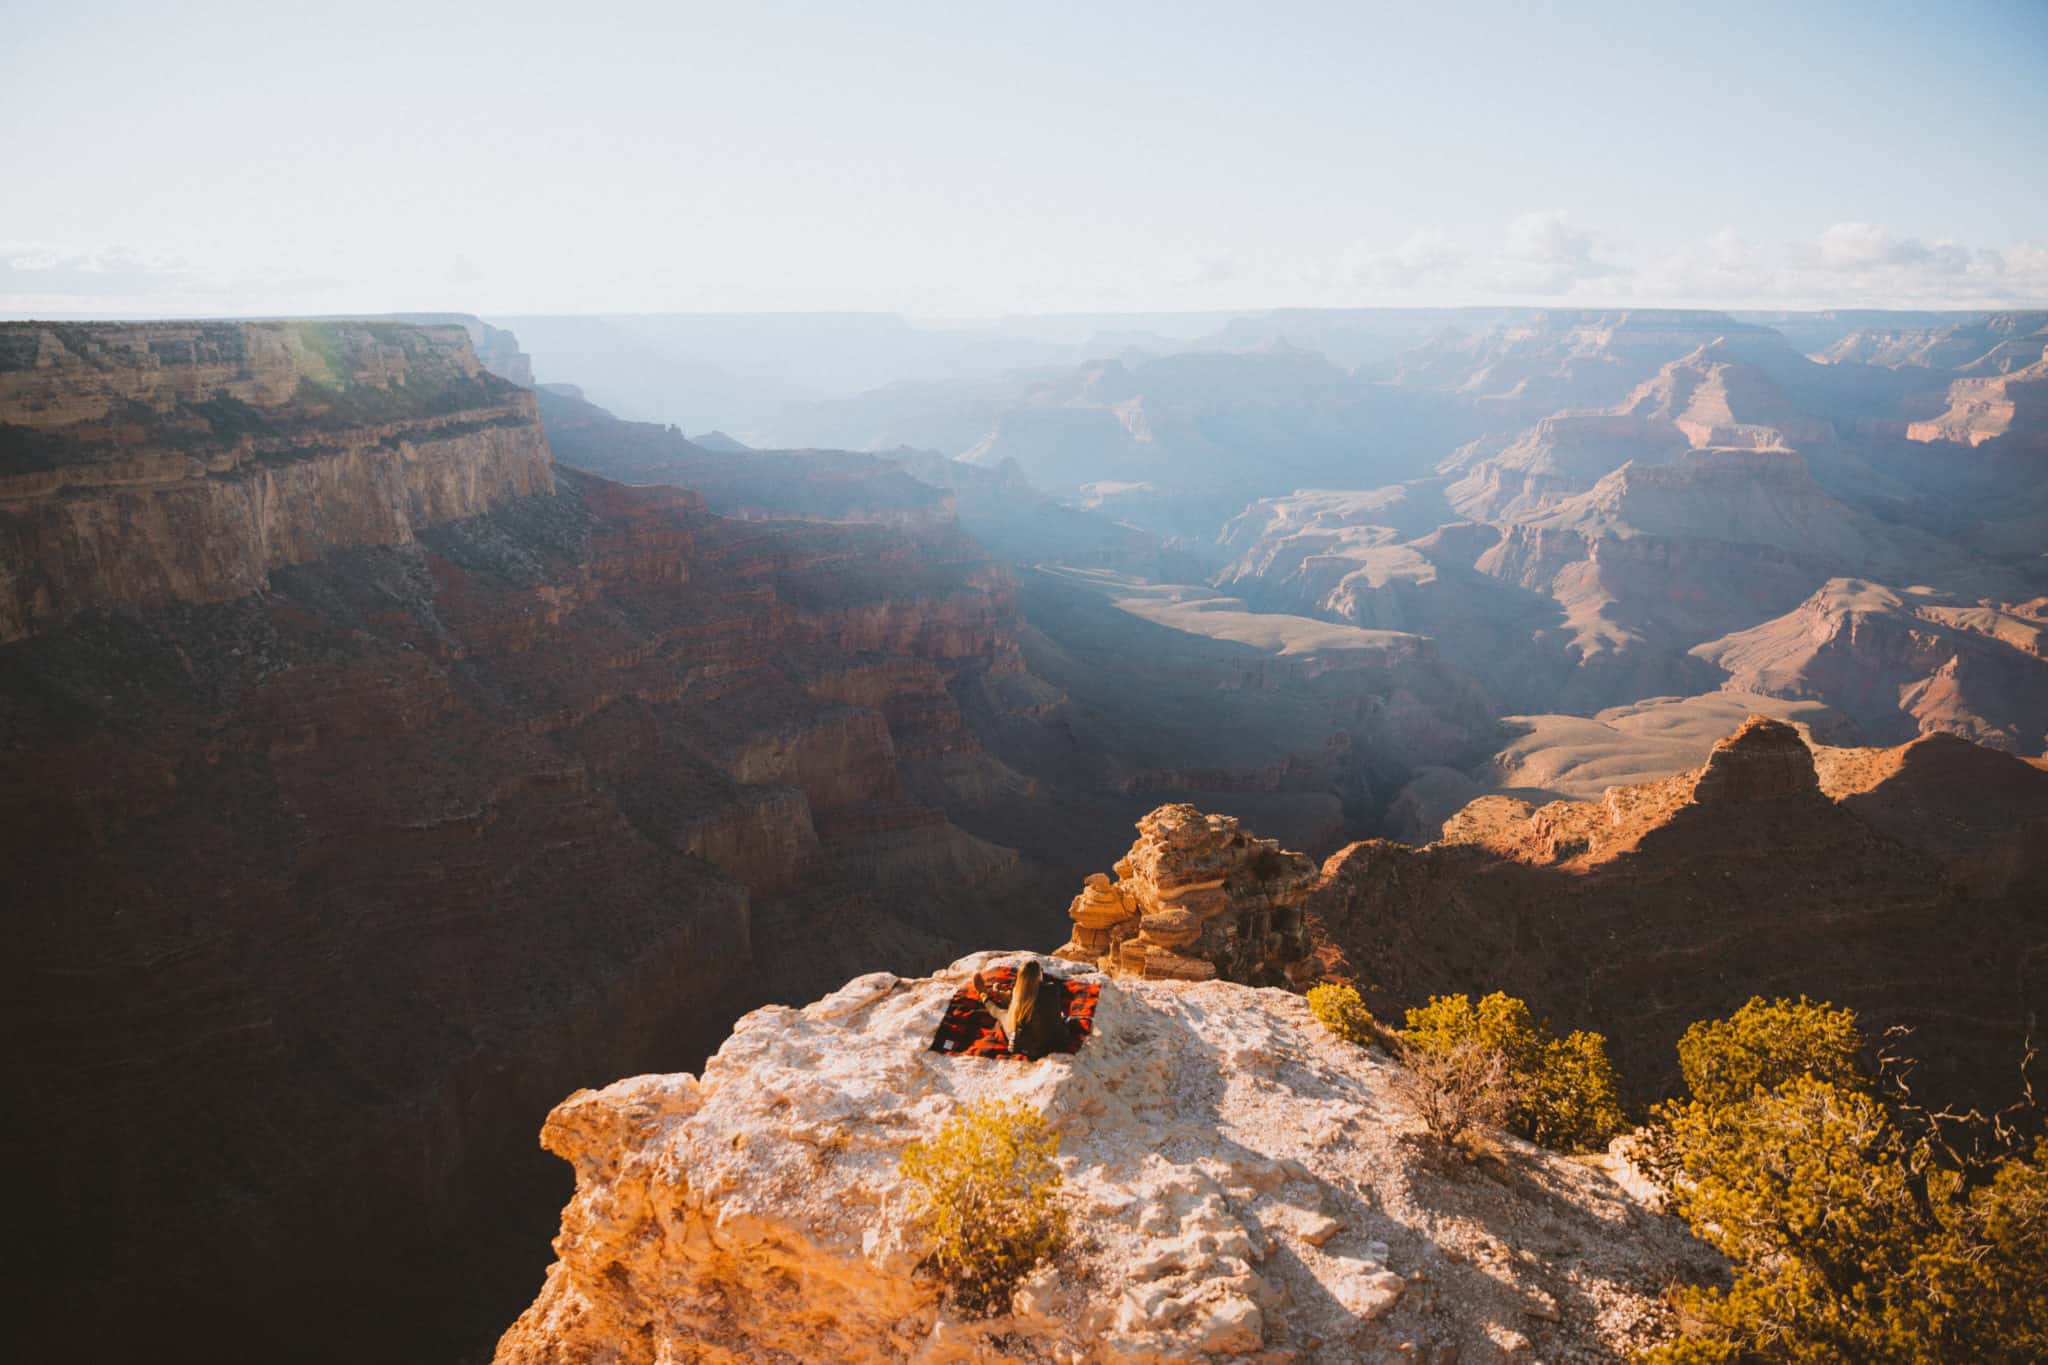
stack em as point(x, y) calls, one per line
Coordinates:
point(986, 1199)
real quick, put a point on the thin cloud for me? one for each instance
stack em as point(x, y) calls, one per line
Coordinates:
point(1543, 253)
point(113, 271)
point(1427, 257)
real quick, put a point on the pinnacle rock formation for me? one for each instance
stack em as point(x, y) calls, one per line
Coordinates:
point(1765, 760)
point(1196, 898)
point(1242, 1185)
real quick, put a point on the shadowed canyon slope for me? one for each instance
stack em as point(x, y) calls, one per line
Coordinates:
point(1908, 883)
point(370, 786)
point(1142, 686)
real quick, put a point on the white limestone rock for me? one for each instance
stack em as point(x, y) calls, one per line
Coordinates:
point(756, 1213)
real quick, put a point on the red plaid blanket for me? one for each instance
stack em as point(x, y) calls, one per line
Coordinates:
point(968, 1031)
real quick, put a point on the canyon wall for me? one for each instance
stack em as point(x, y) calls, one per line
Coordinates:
point(347, 835)
point(142, 465)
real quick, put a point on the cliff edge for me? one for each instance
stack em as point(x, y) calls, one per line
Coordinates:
point(1243, 1185)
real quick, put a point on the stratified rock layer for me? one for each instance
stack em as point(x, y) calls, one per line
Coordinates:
point(149, 464)
point(1243, 1186)
point(1195, 898)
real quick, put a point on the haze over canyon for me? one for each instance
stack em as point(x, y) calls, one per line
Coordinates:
point(397, 743)
point(1056, 685)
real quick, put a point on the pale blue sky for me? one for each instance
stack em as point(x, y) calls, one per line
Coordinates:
point(970, 158)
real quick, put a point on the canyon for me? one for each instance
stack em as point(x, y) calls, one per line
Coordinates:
point(395, 745)
point(370, 783)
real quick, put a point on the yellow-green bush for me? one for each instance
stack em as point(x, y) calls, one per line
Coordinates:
point(1557, 1092)
point(1766, 1043)
point(1862, 1226)
point(1342, 1011)
point(986, 1199)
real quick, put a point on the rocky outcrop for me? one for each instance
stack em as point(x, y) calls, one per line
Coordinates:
point(1195, 898)
point(1902, 662)
point(1764, 760)
point(2008, 408)
point(1242, 1185)
point(1906, 883)
point(149, 464)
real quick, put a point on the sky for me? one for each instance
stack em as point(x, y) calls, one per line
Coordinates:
point(969, 159)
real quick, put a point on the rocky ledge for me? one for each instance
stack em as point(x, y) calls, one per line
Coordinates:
point(1242, 1184)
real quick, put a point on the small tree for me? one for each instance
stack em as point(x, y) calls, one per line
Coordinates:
point(1863, 1226)
point(1764, 1044)
point(986, 1191)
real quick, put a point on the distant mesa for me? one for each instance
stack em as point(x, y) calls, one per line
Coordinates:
point(720, 442)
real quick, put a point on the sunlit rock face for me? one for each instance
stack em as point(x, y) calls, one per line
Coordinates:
point(1196, 898)
point(149, 464)
point(1243, 1185)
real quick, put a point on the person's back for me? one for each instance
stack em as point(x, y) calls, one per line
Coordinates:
point(1031, 1022)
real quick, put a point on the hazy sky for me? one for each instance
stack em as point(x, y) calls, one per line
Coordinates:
point(969, 158)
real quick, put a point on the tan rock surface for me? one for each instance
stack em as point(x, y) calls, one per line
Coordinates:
point(1241, 1182)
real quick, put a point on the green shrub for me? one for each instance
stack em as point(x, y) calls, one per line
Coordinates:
point(986, 1199)
point(1763, 1045)
point(1862, 1225)
point(1342, 1011)
point(1557, 1092)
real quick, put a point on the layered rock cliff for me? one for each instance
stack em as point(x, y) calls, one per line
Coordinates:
point(329, 874)
point(1243, 1185)
point(149, 464)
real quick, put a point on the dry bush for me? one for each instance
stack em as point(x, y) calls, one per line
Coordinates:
point(1456, 1087)
point(1560, 1093)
